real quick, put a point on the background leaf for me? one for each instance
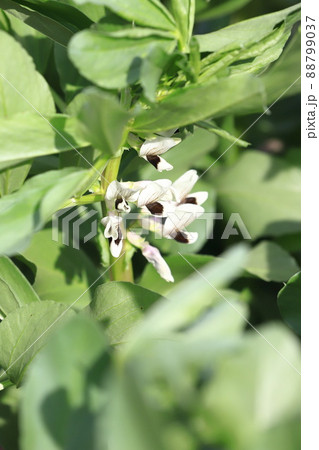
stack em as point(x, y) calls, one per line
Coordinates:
point(27, 211)
point(263, 183)
point(103, 120)
point(15, 290)
point(58, 278)
point(66, 391)
point(120, 306)
point(24, 331)
point(289, 302)
point(270, 262)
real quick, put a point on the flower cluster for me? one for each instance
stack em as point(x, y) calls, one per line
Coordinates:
point(168, 208)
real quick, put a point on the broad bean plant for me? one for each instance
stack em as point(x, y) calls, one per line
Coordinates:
point(149, 225)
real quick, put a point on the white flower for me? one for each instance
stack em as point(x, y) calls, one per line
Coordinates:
point(152, 254)
point(156, 197)
point(178, 220)
point(119, 194)
point(182, 187)
point(152, 148)
point(113, 232)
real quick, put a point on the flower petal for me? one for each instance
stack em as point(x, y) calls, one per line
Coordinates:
point(181, 218)
point(151, 193)
point(116, 246)
point(158, 145)
point(184, 184)
point(153, 255)
point(196, 198)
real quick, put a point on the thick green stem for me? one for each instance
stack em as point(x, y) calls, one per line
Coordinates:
point(110, 172)
point(122, 269)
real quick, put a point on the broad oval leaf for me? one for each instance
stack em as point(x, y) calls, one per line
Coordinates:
point(66, 392)
point(58, 277)
point(264, 190)
point(23, 89)
point(150, 13)
point(15, 290)
point(113, 61)
point(237, 94)
point(28, 135)
point(26, 211)
point(120, 306)
point(24, 331)
point(270, 262)
point(102, 120)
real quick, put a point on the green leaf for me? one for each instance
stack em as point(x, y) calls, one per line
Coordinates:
point(151, 71)
point(15, 290)
point(213, 128)
point(62, 11)
point(193, 296)
point(120, 306)
point(289, 303)
point(25, 212)
point(260, 369)
point(36, 44)
point(283, 78)
point(24, 89)
point(9, 430)
point(24, 331)
point(57, 277)
point(191, 104)
point(243, 33)
point(263, 183)
point(205, 11)
point(113, 61)
point(184, 14)
point(28, 135)
point(50, 27)
point(270, 262)
point(12, 179)
point(102, 119)
point(66, 392)
point(71, 81)
point(150, 13)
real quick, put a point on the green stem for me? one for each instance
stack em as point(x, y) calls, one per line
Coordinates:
point(122, 269)
point(85, 200)
point(110, 172)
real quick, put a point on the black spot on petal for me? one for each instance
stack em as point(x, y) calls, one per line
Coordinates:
point(154, 160)
point(181, 237)
point(155, 208)
point(119, 237)
point(118, 201)
point(191, 200)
